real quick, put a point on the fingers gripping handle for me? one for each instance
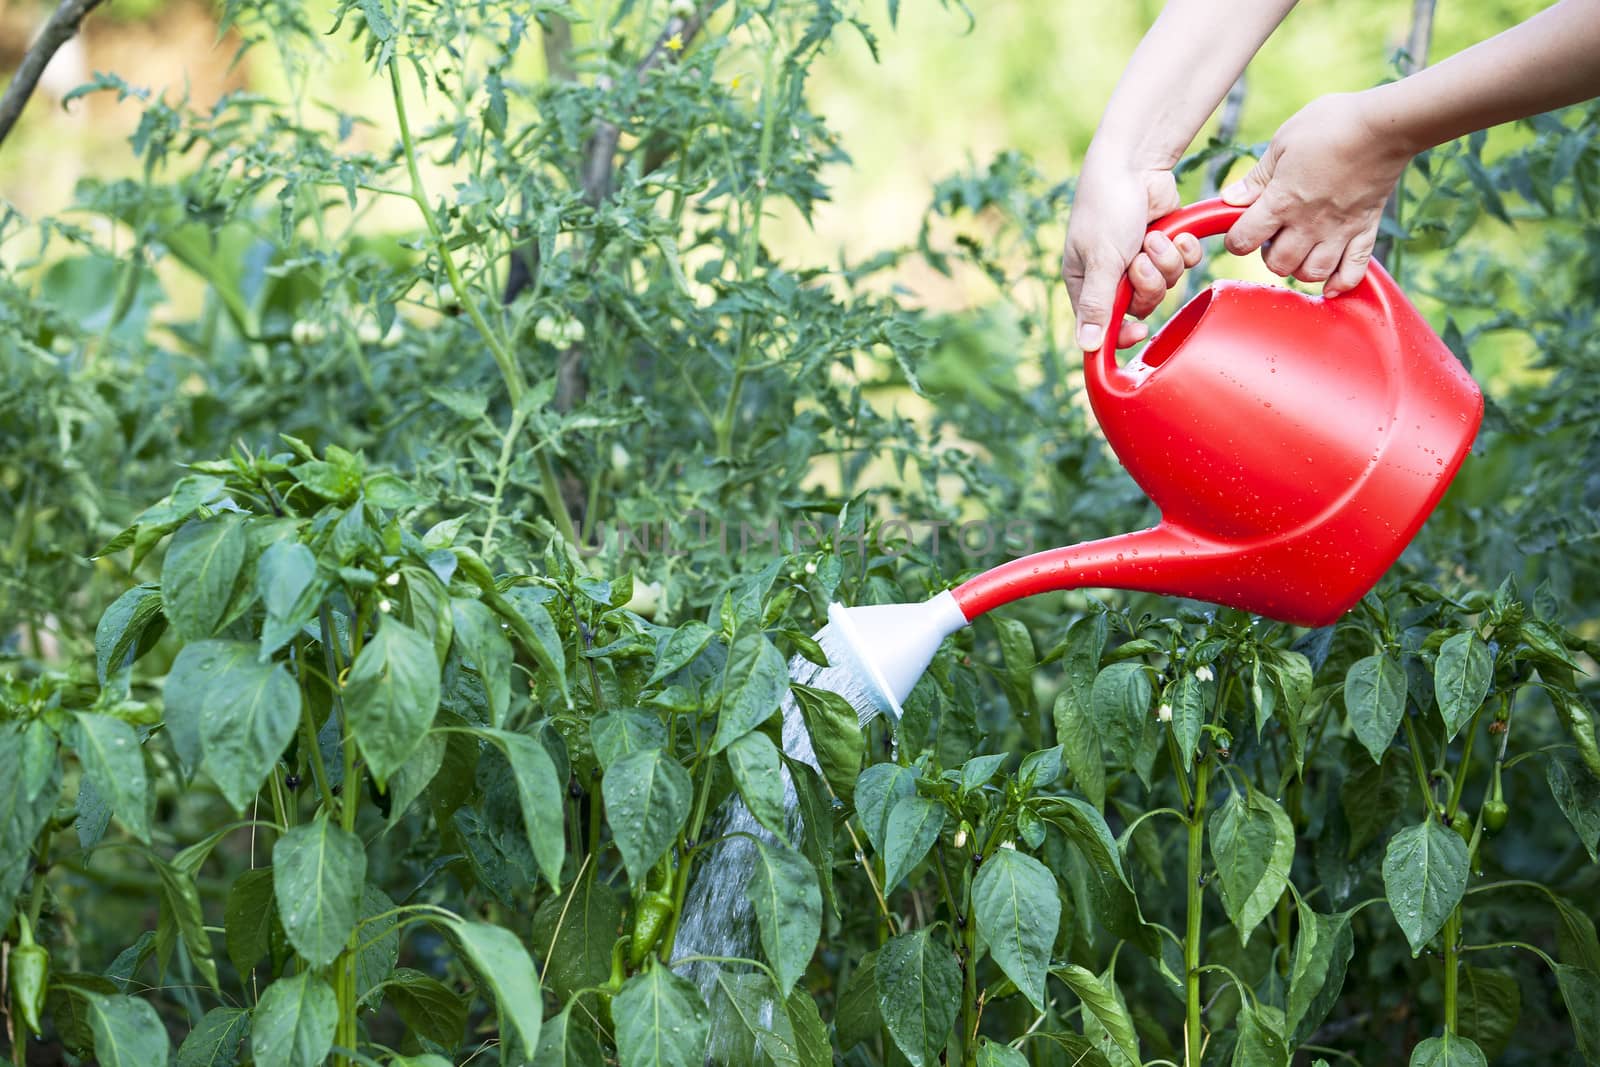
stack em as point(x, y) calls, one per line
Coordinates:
point(1208, 218)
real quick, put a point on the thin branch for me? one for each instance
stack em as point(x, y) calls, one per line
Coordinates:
point(1415, 58)
point(1227, 130)
point(558, 49)
point(599, 153)
point(61, 27)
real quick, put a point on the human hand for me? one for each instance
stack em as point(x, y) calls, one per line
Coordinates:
point(1106, 239)
point(1316, 198)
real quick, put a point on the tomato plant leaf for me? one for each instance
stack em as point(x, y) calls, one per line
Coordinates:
point(647, 797)
point(318, 871)
point(391, 696)
point(1424, 877)
point(919, 994)
point(294, 1022)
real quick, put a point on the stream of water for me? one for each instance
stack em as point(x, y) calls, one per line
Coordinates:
point(717, 917)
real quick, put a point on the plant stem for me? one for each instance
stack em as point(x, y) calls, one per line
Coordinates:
point(509, 371)
point(747, 256)
point(1193, 1039)
point(969, 995)
point(1415, 745)
point(1452, 941)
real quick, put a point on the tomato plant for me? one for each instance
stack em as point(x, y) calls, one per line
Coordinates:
point(421, 527)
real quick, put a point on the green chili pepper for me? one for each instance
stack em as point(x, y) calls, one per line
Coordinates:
point(649, 921)
point(30, 976)
point(1495, 810)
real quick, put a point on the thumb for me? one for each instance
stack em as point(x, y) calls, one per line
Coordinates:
point(1094, 306)
point(1244, 192)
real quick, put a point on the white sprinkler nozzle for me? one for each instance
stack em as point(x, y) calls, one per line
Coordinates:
point(891, 645)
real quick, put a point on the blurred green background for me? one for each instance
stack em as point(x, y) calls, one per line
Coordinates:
point(948, 90)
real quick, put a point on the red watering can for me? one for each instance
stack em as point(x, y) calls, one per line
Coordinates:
point(1294, 445)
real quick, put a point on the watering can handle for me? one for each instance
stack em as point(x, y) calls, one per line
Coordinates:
point(1207, 218)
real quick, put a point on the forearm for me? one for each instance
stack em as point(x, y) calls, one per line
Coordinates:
point(1549, 61)
point(1178, 75)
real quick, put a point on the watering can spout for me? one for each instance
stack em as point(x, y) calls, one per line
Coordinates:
point(887, 647)
point(1162, 559)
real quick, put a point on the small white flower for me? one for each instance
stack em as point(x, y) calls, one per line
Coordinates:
point(447, 295)
point(961, 837)
point(1008, 844)
point(811, 566)
point(1164, 713)
point(1204, 674)
point(385, 605)
point(393, 579)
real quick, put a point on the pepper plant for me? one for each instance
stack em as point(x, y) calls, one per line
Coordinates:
point(421, 518)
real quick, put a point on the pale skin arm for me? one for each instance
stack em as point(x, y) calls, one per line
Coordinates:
point(1318, 193)
point(1178, 75)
